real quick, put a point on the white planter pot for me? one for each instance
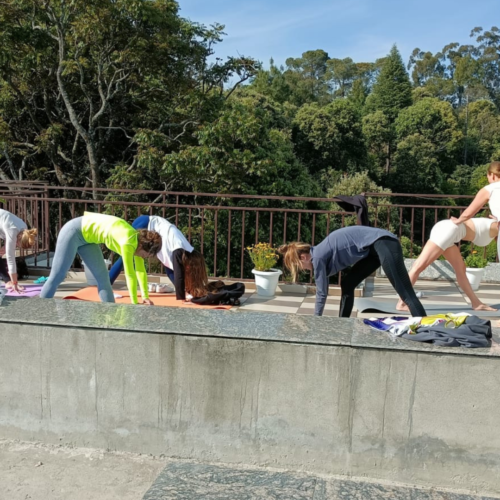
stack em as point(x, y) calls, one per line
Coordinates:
point(474, 275)
point(266, 281)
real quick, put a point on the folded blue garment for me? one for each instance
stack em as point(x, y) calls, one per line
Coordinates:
point(379, 323)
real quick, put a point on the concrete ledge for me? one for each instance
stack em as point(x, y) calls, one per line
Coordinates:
point(324, 395)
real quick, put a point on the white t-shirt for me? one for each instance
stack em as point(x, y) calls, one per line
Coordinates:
point(172, 239)
point(10, 227)
point(494, 202)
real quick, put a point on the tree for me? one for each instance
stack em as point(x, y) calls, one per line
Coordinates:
point(305, 76)
point(481, 125)
point(341, 74)
point(434, 121)
point(248, 149)
point(77, 78)
point(330, 137)
point(379, 137)
point(392, 90)
point(272, 83)
point(416, 167)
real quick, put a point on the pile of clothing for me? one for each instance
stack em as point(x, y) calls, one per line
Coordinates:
point(448, 329)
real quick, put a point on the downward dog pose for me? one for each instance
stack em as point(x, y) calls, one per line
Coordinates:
point(184, 265)
point(444, 235)
point(365, 249)
point(83, 235)
point(15, 233)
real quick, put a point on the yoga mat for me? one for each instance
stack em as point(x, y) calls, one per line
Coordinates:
point(159, 299)
point(372, 304)
point(29, 291)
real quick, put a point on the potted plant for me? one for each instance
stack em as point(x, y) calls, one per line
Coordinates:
point(475, 265)
point(264, 256)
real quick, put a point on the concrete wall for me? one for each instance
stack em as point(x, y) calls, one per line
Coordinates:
point(415, 417)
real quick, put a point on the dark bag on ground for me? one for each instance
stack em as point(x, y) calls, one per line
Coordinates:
point(221, 294)
point(22, 269)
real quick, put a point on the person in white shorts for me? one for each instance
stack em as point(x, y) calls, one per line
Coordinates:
point(442, 241)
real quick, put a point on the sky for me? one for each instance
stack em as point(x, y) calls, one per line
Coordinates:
point(361, 29)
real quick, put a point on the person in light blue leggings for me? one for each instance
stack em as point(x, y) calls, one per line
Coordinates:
point(141, 222)
point(70, 242)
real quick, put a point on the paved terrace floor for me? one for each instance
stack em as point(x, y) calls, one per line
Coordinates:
point(442, 292)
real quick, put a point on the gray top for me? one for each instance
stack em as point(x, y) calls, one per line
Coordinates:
point(340, 249)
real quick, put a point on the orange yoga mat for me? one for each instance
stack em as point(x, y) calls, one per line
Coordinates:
point(159, 299)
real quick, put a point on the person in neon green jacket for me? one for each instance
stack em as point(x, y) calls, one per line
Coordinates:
point(84, 235)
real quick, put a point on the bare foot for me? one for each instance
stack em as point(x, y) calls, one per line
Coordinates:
point(401, 306)
point(484, 307)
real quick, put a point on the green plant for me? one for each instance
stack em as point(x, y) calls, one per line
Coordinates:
point(475, 260)
point(264, 256)
point(407, 246)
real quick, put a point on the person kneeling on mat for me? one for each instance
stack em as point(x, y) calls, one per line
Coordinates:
point(365, 249)
point(83, 235)
point(184, 265)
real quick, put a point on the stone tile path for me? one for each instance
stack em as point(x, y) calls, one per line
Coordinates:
point(190, 481)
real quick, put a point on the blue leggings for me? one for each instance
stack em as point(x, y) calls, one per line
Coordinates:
point(70, 242)
point(142, 222)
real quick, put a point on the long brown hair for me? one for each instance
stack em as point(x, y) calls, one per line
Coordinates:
point(195, 273)
point(149, 241)
point(291, 256)
point(28, 238)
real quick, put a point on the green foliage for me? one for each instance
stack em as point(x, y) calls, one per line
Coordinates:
point(416, 166)
point(360, 182)
point(475, 260)
point(435, 122)
point(263, 255)
point(330, 137)
point(410, 250)
point(248, 149)
point(392, 90)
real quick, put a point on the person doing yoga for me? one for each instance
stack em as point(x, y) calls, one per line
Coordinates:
point(489, 194)
point(362, 247)
point(442, 241)
point(184, 265)
point(83, 235)
point(15, 233)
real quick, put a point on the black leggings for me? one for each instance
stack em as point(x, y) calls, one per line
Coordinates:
point(385, 252)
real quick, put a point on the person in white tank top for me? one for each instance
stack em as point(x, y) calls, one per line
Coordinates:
point(15, 233)
point(442, 241)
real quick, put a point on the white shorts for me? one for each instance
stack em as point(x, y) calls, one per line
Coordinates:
point(445, 234)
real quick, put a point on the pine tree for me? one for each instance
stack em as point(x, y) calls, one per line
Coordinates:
point(392, 90)
point(391, 93)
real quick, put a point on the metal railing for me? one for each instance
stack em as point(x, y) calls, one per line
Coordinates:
point(221, 226)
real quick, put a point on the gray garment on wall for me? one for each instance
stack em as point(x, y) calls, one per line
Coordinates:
point(475, 332)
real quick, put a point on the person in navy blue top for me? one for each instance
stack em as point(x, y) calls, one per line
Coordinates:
point(362, 247)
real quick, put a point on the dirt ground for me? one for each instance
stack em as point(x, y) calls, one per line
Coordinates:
point(36, 471)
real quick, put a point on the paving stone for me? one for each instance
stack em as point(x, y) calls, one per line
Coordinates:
point(191, 481)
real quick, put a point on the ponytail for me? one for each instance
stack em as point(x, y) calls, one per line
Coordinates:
point(291, 256)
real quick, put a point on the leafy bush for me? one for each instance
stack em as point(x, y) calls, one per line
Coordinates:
point(406, 245)
point(475, 260)
point(264, 256)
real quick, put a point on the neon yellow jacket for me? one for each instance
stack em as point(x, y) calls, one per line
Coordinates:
point(120, 237)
